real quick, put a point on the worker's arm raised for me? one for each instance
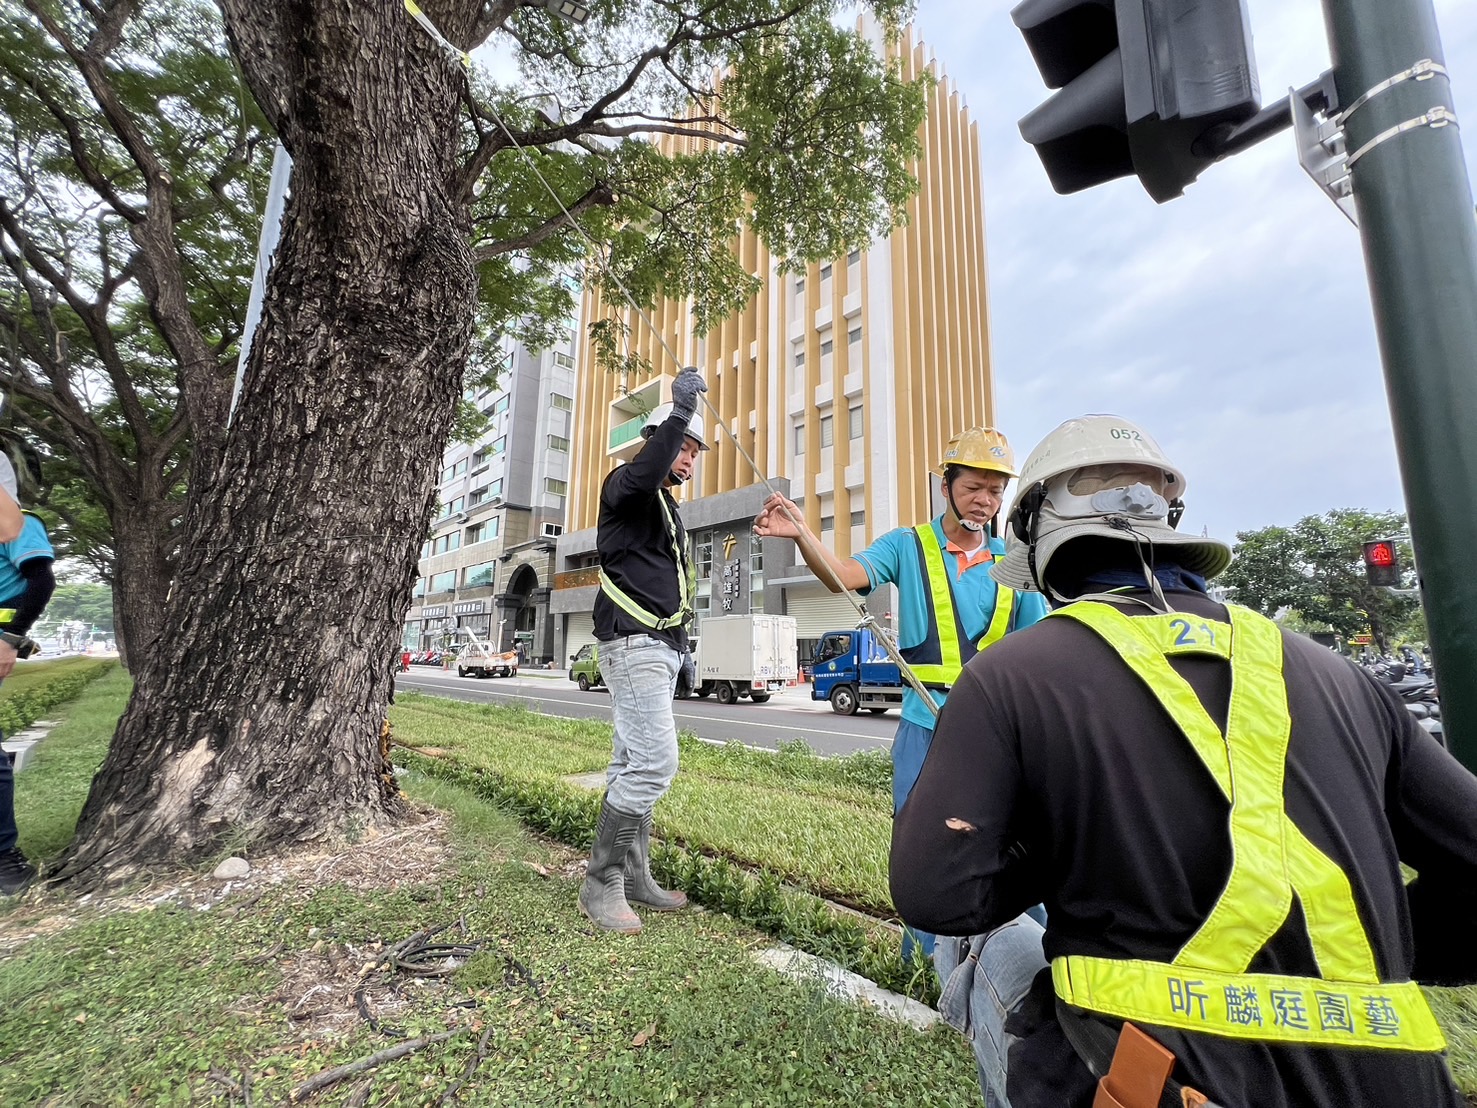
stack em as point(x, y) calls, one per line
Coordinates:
point(781, 519)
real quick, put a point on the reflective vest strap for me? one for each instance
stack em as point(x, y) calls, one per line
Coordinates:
point(943, 670)
point(939, 658)
point(1257, 1006)
point(1000, 621)
point(634, 609)
point(1271, 858)
point(686, 583)
point(1171, 690)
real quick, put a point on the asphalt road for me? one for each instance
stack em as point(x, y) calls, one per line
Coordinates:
point(787, 716)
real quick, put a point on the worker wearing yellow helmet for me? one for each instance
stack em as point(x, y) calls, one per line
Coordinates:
point(949, 608)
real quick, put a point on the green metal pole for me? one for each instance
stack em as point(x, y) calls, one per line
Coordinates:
point(1420, 249)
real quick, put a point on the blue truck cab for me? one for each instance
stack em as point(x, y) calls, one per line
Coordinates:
point(851, 669)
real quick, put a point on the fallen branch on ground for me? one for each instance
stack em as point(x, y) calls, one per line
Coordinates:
point(338, 1073)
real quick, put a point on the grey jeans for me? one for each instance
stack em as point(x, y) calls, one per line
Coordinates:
point(985, 977)
point(641, 673)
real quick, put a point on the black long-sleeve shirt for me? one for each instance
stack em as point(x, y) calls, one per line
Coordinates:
point(1085, 796)
point(634, 542)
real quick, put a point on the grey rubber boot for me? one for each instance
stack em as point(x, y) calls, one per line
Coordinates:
point(602, 896)
point(641, 887)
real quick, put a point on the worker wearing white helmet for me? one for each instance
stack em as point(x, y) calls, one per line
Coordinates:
point(1214, 812)
point(642, 613)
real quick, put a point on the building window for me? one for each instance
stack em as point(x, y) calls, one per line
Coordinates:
point(828, 523)
point(564, 361)
point(447, 543)
point(854, 336)
point(447, 474)
point(474, 534)
point(799, 438)
point(499, 445)
point(484, 573)
point(800, 358)
point(420, 587)
point(426, 549)
point(828, 433)
point(490, 528)
point(556, 487)
point(495, 489)
point(859, 518)
point(854, 422)
point(443, 582)
point(562, 402)
point(702, 557)
point(854, 257)
point(826, 272)
point(460, 468)
point(476, 496)
point(501, 406)
point(451, 507)
point(559, 443)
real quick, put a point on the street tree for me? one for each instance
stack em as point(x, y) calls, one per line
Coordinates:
point(131, 171)
point(1316, 568)
point(418, 218)
point(80, 601)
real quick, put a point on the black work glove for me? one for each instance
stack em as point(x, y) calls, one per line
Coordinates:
point(685, 389)
point(686, 675)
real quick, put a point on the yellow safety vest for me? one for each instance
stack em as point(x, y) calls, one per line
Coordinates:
point(686, 583)
point(1207, 987)
point(939, 658)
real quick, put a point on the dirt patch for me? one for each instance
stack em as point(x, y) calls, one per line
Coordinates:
point(415, 852)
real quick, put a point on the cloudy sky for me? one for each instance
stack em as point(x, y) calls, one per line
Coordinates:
point(1233, 323)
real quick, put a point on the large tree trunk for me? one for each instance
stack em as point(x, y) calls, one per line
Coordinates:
point(141, 578)
point(260, 709)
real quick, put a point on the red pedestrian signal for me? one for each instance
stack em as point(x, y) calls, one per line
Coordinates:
point(1382, 562)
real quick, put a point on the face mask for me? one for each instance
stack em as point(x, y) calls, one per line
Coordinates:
point(1137, 501)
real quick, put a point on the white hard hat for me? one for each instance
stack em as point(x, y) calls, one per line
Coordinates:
point(696, 429)
point(1094, 440)
point(1104, 476)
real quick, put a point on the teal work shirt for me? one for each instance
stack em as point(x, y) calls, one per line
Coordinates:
point(30, 543)
point(893, 559)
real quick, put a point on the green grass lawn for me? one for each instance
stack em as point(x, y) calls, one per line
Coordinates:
point(167, 1003)
point(170, 1003)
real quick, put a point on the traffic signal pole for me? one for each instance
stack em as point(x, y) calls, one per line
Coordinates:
point(1420, 248)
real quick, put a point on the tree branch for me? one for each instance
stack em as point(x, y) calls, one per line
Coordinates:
point(599, 194)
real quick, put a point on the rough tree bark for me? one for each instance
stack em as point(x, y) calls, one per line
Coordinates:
point(140, 580)
point(304, 545)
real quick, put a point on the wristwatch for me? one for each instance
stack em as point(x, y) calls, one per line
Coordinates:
point(14, 640)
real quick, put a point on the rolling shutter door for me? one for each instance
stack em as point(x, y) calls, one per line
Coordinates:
point(579, 629)
point(817, 612)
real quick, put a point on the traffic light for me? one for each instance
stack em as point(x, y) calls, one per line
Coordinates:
point(1382, 562)
point(1145, 85)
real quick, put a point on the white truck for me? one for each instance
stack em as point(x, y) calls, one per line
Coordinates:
point(745, 656)
point(479, 658)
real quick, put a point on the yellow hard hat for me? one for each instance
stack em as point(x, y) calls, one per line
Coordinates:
point(979, 448)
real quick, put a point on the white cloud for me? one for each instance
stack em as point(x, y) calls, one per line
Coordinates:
point(1234, 323)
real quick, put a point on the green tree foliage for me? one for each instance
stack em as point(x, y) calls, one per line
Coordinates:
point(1316, 567)
point(91, 604)
point(132, 171)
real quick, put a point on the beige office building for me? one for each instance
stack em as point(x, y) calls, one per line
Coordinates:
point(843, 384)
